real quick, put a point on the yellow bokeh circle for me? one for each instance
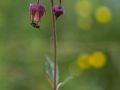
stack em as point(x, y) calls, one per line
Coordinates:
point(103, 14)
point(97, 59)
point(83, 61)
point(83, 8)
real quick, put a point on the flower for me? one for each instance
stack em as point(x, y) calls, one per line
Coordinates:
point(103, 14)
point(83, 61)
point(97, 59)
point(84, 8)
point(36, 12)
point(58, 10)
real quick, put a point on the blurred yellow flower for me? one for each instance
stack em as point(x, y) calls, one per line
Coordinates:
point(83, 61)
point(85, 23)
point(103, 14)
point(97, 59)
point(83, 8)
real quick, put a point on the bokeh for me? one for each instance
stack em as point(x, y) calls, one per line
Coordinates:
point(88, 42)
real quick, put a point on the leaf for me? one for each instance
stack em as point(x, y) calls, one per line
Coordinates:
point(50, 70)
point(70, 77)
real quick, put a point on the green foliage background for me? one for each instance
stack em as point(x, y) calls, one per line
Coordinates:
point(22, 48)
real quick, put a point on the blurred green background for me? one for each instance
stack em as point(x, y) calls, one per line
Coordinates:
point(22, 48)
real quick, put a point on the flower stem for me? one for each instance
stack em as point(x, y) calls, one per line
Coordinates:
point(54, 43)
point(38, 1)
point(60, 2)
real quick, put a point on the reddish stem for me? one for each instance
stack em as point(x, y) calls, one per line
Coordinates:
point(54, 42)
point(60, 2)
point(38, 1)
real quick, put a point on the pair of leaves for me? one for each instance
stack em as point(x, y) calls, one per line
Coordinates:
point(50, 74)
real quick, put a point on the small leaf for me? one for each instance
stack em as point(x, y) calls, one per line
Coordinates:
point(50, 70)
point(70, 77)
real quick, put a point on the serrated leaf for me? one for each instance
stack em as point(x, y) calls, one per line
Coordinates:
point(50, 70)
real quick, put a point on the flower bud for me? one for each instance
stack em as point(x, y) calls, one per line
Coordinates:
point(36, 12)
point(58, 10)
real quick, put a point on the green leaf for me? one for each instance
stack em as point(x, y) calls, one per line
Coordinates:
point(50, 70)
point(70, 77)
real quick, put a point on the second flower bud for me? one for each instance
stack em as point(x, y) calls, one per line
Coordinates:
point(58, 10)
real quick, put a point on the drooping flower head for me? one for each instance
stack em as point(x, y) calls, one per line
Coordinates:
point(58, 10)
point(36, 12)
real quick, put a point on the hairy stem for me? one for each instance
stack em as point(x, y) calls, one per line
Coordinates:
point(54, 43)
point(38, 1)
point(60, 2)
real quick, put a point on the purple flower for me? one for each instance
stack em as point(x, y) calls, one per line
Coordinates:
point(58, 10)
point(36, 12)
